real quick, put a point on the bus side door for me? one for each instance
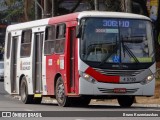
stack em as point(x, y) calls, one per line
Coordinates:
point(10, 74)
point(72, 67)
point(38, 45)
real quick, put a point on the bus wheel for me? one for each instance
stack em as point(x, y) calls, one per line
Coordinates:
point(25, 98)
point(61, 98)
point(126, 101)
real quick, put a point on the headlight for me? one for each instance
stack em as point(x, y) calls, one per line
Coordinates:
point(148, 79)
point(87, 77)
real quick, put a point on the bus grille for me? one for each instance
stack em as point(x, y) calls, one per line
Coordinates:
point(118, 72)
point(105, 90)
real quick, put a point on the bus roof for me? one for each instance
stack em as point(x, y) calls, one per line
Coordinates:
point(21, 26)
point(112, 15)
point(74, 16)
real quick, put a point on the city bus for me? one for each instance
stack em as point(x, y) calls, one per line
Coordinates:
point(81, 56)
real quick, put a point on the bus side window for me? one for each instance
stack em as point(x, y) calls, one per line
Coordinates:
point(26, 43)
point(60, 38)
point(49, 40)
point(8, 45)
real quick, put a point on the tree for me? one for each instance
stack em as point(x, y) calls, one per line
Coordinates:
point(27, 9)
point(11, 12)
point(143, 6)
point(19, 10)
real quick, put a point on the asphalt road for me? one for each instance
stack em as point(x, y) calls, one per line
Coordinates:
point(8, 103)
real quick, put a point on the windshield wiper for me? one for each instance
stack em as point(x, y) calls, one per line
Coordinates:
point(110, 54)
point(125, 48)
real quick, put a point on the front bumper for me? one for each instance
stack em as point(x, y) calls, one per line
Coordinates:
point(99, 88)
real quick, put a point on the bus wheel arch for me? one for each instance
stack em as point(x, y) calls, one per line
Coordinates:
point(20, 80)
point(55, 81)
point(60, 95)
point(25, 97)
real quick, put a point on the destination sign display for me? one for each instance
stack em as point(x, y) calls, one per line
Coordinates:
point(115, 23)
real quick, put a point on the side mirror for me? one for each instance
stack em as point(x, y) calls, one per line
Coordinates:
point(78, 31)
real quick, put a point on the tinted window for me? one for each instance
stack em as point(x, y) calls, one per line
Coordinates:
point(60, 38)
point(8, 45)
point(26, 43)
point(117, 41)
point(49, 40)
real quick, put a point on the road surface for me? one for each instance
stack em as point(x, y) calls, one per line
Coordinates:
point(91, 112)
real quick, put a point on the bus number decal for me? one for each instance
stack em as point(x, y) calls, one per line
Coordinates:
point(114, 23)
point(129, 79)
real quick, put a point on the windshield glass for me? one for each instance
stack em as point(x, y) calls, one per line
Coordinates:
point(116, 40)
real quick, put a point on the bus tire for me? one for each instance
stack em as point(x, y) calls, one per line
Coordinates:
point(61, 98)
point(25, 98)
point(125, 101)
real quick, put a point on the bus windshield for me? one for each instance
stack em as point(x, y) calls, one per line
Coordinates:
point(107, 40)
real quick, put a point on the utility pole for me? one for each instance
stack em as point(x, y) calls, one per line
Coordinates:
point(96, 5)
point(46, 9)
point(128, 6)
point(36, 10)
point(122, 6)
point(53, 8)
point(38, 5)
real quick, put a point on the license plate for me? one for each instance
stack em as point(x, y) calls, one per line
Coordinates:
point(129, 79)
point(119, 90)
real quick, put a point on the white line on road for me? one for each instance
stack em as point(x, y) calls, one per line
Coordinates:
point(28, 110)
point(79, 119)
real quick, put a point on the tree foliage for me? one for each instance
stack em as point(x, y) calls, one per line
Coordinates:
point(19, 10)
point(14, 9)
point(24, 10)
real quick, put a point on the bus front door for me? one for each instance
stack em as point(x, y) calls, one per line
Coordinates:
point(72, 59)
point(38, 62)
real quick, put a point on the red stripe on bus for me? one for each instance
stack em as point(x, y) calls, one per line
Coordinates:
point(102, 78)
point(63, 18)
